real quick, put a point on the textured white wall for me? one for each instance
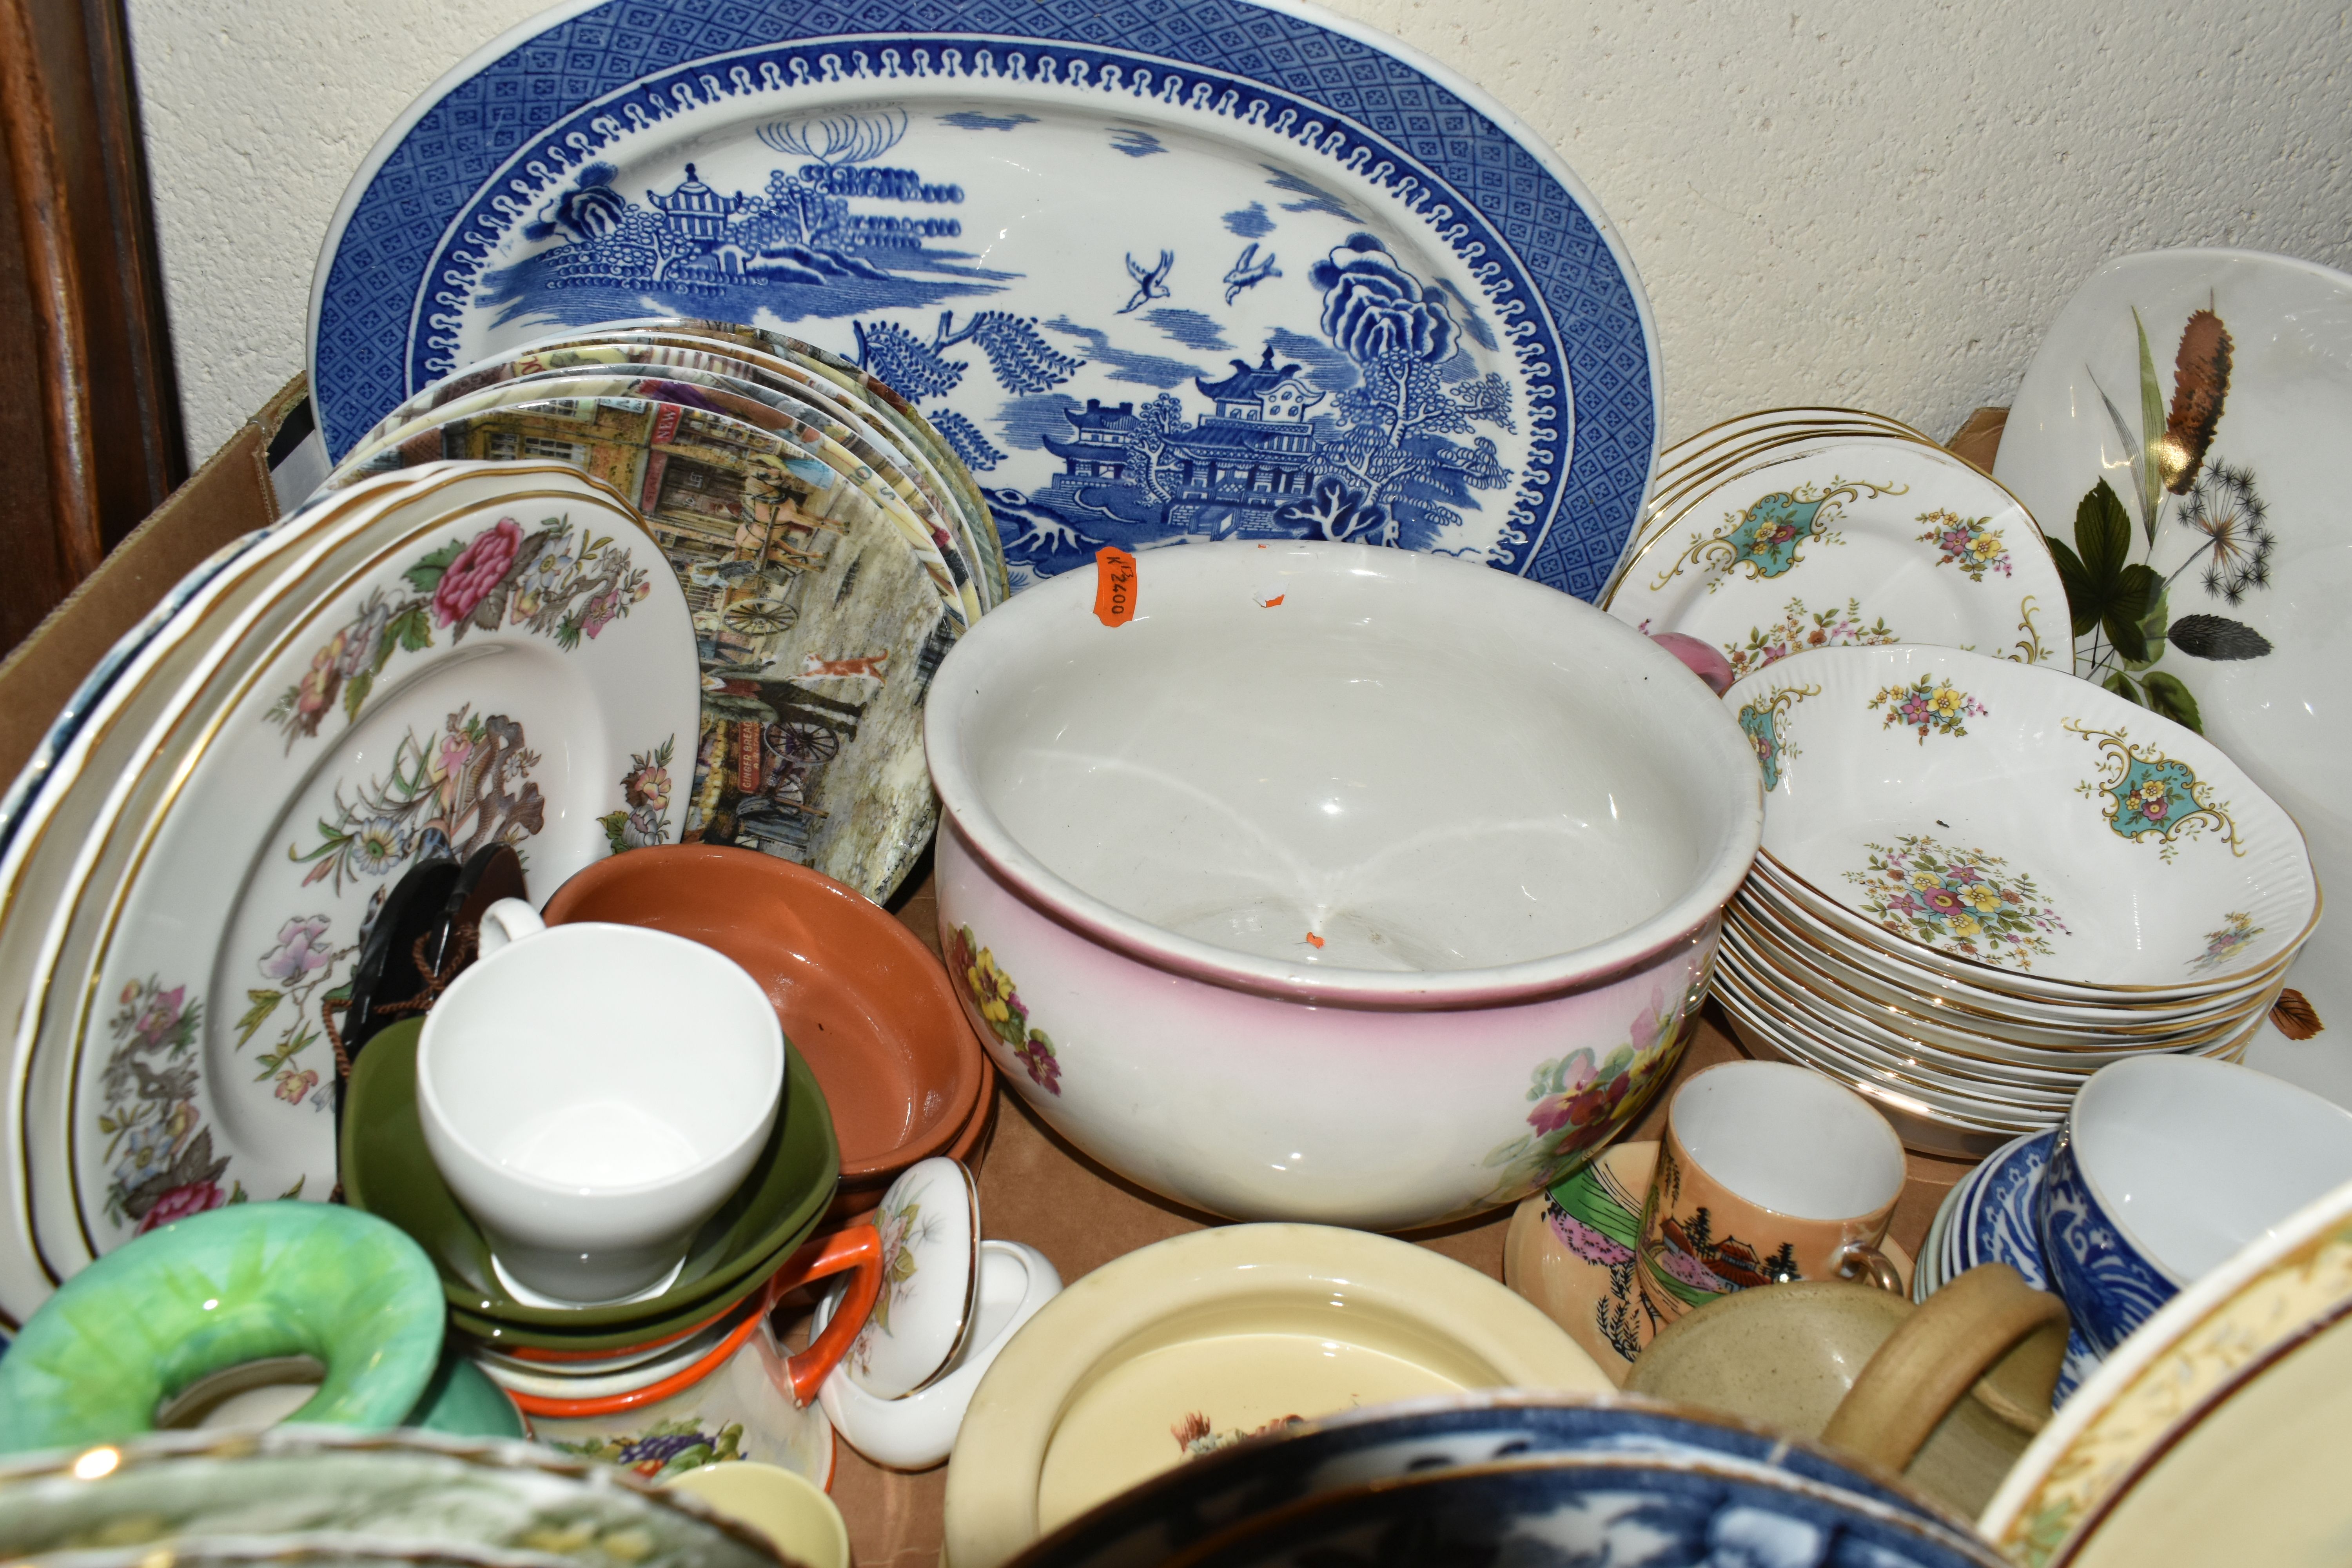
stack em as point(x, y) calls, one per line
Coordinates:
point(1838, 201)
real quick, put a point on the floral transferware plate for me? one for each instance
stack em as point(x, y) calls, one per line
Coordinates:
point(1570, 1251)
point(799, 364)
point(1205, 270)
point(117, 761)
point(413, 1487)
point(2025, 830)
point(1833, 540)
point(2213, 1432)
point(851, 493)
point(857, 425)
point(2210, 391)
point(818, 625)
point(884, 495)
point(517, 668)
point(930, 1221)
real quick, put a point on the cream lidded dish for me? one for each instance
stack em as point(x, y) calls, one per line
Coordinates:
point(1337, 883)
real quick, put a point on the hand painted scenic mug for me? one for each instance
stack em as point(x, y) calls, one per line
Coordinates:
point(591, 1094)
point(1768, 1174)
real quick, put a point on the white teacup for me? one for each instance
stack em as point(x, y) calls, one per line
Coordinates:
point(591, 1093)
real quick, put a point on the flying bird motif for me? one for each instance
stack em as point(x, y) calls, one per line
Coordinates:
point(1149, 285)
point(1248, 272)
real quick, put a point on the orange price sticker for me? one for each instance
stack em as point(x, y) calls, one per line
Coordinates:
point(1115, 586)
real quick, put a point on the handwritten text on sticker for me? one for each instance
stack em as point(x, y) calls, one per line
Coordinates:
point(1115, 586)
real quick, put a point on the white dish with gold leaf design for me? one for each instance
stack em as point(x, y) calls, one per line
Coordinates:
point(1844, 539)
point(2215, 1433)
point(2245, 384)
point(2018, 828)
point(516, 665)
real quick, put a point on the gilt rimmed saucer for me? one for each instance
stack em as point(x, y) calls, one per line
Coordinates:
point(1831, 541)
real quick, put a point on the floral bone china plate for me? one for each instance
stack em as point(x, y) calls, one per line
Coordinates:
point(1850, 538)
point(1249, 271)
point(2013, 825)
point(818, 627)
point(520, 670)
point(2210, 390)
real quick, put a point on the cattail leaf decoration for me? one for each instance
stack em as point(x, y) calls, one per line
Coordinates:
point(2149, 470)
point(2200, 382)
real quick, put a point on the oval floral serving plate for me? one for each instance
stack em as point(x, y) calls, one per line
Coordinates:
point(1205, 269)
point(1821, 542)
point(818, 625)
point(520, 670)
point(2011, 825)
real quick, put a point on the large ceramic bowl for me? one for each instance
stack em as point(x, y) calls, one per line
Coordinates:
point(1337, 883)
point(1201, 1340)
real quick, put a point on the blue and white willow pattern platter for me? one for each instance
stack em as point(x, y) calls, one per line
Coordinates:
point(1158, 270)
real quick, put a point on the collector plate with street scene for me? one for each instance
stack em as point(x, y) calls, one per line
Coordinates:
point(1207, 269)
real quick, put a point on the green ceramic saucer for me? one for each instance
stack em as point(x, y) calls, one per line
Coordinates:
point(243, 1283)
point(388, 1171)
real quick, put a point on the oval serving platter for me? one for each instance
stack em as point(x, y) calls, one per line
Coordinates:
point(1211, 270)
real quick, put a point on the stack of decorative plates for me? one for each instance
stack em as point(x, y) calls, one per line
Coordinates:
point(831, 545)
point(1806, 528)
point(421, 665)
point(1981, 882)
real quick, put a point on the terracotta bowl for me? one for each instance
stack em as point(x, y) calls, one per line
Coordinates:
point(860, 997)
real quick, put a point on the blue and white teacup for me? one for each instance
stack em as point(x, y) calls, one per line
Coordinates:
point(2163, 1167)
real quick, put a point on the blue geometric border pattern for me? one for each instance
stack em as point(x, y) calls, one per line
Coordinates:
point(429, 201)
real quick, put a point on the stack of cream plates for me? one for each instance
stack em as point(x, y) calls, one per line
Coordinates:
point(1981, 882)
point(1807, 527)
point(831, 547)
point(424, 664)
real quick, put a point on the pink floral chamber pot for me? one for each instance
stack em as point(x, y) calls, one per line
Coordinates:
point(1324, 882)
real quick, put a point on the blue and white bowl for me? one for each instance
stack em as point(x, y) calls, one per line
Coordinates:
point(1203, 1503)
point(1593, 1508)
point(2164, 1168)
